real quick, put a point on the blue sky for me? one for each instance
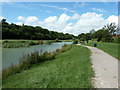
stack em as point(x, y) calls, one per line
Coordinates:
point(42, 12)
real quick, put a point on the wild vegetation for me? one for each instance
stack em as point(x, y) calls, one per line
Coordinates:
point(71, 69)
point(32, 59)
point(24, 43)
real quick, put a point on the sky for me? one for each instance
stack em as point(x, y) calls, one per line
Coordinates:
point(66, 17)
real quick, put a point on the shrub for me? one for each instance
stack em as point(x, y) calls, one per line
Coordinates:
point(75, 42)
point(34, 43)
point(103, 40)
point(73, 39)
point(99, 39)
point(48, 42)
point(41, 42)
point(111, 40)
point(57, 50)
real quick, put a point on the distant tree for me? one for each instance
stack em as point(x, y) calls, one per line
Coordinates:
point(87, 37)
point(4, 21)
point(92, 34)
point(111, 28)
point(13, 31)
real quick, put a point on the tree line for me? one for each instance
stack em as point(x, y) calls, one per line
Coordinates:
point(13, 31)
point(108, 33)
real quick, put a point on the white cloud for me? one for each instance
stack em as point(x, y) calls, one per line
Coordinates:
point(113, 19)
point(54, 23)
point(75, 16)
point(84, 22)
point(20, 18)
point(63, 18)
point(29, 20)
point(19, 23)
point(89, 21)
point(68, 28)
point(50, 19)
point(99, 10)
point(1, 18)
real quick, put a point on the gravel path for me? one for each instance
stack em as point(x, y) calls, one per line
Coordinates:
point(105, 67)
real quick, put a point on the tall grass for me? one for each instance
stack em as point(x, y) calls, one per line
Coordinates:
point(32, 59)
point(24, 43)
point(48, 42)
point(19, 43)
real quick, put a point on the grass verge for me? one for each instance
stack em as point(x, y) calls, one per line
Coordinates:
point(110, 48)
point(71, 69)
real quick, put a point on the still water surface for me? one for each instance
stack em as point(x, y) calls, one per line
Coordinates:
point(14, 55)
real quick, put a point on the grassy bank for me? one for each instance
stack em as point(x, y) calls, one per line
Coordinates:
point(71, 69)
point(70, 40)
point(110, 48)
point(23, 43)
point(32, 59)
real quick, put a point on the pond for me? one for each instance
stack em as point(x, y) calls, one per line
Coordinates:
point(14, 55)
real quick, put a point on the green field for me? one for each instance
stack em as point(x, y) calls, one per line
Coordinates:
point(71, 69)
point(110, 48)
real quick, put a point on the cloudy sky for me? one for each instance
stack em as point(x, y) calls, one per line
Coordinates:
point(66, 17)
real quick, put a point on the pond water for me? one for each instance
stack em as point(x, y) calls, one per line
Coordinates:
point(14, 55)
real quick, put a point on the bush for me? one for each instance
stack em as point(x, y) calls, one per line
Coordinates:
point(111, 40)
point(34, 43)
point(103, 40)
point(57, 50)
point(48, 42)
point(99, 39)
point(75, 42)
point(73, 39)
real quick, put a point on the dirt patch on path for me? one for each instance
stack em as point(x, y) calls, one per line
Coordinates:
point(105, 67)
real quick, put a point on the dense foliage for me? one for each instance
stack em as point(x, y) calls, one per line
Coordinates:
point(106, 34)
point(13, 31)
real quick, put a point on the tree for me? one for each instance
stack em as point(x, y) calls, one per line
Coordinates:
point(4, 21)
point(111, 28)
point(13, 31)
point(92, 34)
point(87, 37)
